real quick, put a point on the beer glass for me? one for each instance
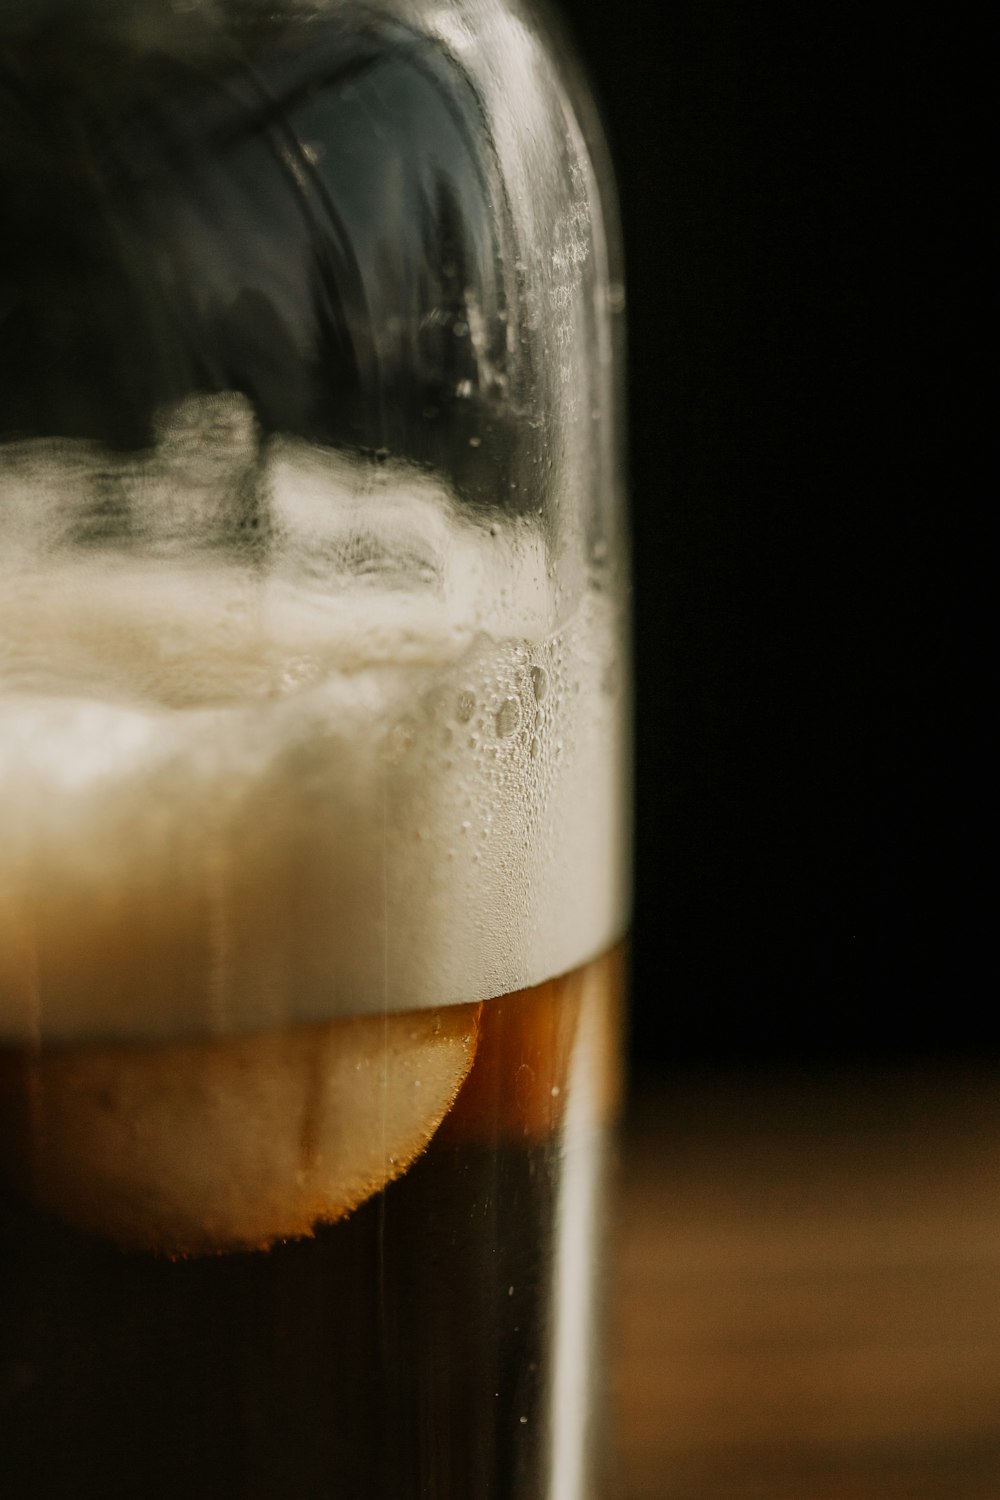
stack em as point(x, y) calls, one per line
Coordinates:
point(313, 751)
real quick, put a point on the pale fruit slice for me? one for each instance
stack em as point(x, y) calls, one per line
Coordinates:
point(210, 1146)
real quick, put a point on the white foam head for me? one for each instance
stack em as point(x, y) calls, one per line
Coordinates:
point(372, 763)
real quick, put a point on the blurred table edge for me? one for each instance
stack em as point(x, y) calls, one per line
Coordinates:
point(806, 1290)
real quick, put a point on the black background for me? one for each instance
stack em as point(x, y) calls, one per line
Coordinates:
point(804, 213)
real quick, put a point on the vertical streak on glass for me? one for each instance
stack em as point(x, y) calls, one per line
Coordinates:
point(219, 941)
point(384, 1082)
point(574, 1266)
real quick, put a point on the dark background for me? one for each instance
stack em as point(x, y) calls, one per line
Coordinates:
point(804, 213)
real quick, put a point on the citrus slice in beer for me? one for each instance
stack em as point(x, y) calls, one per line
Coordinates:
point(225, 1144)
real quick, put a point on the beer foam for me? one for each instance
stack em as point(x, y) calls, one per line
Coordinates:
point(368, 761)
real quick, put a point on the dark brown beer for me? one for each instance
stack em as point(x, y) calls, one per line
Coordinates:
point(424, 1345)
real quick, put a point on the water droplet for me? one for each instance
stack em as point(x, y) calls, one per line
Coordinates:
point(460, 329)
point(615, 297)
point(400, 740)
point(465, 707)
point(464, 389)
point(475, 442)
point(508, 717)
point(523, 1421)
point(539, 683)
point(535, 747)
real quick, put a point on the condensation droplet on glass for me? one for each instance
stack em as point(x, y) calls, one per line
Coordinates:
point(508, 717)
point(494, 529)
point(464, 389)
point(475, 442)
point(539, 683)
point(535, 747)
point(400, 740)
point(465, 707)
point(460, 329)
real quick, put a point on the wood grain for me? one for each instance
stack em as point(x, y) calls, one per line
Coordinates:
point(808, 1288)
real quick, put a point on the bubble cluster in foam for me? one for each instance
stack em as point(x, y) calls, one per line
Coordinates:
point(357, 762)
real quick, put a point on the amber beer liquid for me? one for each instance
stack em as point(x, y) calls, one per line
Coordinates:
point(311, 900)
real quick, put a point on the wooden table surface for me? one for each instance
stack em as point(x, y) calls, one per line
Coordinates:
point(808, 1288)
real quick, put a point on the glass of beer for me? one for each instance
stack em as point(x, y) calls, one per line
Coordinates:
point(313, 751)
